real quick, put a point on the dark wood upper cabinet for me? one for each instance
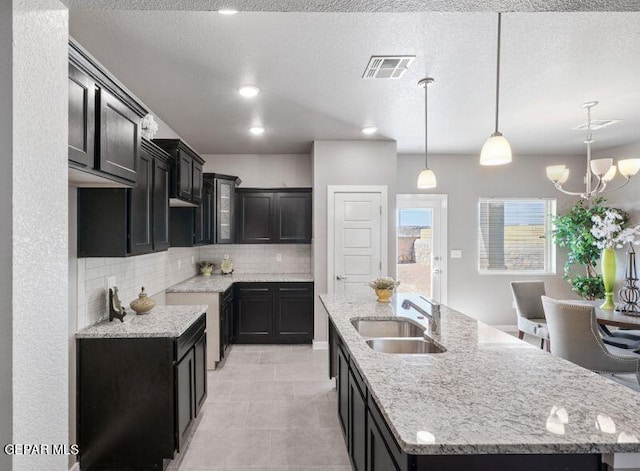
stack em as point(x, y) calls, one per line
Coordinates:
point(190, 227)
point(82, 108)
point(223, 209)
point(119, 222)
point(273, 216)
point(186, 173)
point(104, 125)
point(293, 217)
point(255, 217)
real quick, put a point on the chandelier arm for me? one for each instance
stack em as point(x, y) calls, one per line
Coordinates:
point(626, 180)
point(571, 193)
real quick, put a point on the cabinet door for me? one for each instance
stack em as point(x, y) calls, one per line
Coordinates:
point(119, 138)
point(357, 425)
point(224, 211)
point(196, 179)
point(185, 175)
point(200, 373)
point(160, 205)
point(255, 223)
point(82, 118)
point(293, 314)
point(379, 457)
point(254, 320)
point(140, 204)
point(342, 379)
point(293, 218)
point(185, 395)
point(202, 227)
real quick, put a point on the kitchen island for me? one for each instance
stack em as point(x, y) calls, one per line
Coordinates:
point(488, 401)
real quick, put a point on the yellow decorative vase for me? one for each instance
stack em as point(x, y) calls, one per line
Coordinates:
point(143, 304)
point(384, 295)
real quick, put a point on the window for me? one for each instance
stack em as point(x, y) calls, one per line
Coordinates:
point(513, 235)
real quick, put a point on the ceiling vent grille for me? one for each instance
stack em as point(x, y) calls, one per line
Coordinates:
point(387, 67)
point(596, 124)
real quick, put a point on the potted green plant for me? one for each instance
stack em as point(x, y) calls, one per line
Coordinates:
point(384, 288)
point(206, 268)
point(573, 232)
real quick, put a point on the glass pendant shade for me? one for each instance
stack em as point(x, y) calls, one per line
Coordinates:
point(610, 175)
point(495, 151)
point(601, 166)
point(427, 179)
point(555, 173)
point(629, 167)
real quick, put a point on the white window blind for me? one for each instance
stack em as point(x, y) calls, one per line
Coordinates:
point(513, 235)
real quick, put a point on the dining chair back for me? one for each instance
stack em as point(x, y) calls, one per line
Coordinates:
point(531, 319)
point(574, 335)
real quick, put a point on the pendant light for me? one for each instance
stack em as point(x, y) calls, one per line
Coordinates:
point(496, 150)
point(426, 179)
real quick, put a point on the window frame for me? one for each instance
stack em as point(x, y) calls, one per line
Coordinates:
point(550, 247)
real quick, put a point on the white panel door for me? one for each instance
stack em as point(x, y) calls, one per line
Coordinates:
point(357, 257)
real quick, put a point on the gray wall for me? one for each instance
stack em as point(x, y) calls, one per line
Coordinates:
point(263, 170)
point(6, 228)
point(487, 297)
point(39, 231)
point(347, 163)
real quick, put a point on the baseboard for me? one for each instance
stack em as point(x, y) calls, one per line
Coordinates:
point(75, 467)
point(506, 328)
point(320, 345)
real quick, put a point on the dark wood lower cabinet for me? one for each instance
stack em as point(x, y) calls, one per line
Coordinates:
point(372, 446)
point(273, 313)
point(137, 398)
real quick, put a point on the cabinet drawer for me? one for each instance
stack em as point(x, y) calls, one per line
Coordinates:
point(189, 338)
point(294, 289)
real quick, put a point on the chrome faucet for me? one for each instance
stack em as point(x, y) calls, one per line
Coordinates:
point(433, 316)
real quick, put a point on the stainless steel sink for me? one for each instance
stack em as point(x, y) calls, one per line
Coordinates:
point(410, 346)
point(387, 328)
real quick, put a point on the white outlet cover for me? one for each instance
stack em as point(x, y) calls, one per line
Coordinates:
point(193, 260)
point(278, 257)
point(179, 263)
point(456, 254)
point(226, 256)
point(111, 282)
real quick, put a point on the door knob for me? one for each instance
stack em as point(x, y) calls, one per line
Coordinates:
point(437, 271)
point(341, 277)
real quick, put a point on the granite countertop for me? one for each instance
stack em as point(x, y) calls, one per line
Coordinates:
point(220, 283)
point(162, 321)
point(488, 393)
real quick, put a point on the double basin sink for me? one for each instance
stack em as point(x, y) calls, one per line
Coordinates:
point(395, 336)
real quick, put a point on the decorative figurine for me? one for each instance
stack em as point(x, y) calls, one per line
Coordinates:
point(116, 311)
point(143, 304)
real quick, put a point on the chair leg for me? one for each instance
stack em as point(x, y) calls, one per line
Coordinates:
point(541, 344)
point(520, 334)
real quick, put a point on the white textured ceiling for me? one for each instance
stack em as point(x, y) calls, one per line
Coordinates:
point(187, 66)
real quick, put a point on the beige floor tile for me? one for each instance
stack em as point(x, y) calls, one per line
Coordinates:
point(300, 372)
point(301, 348)
point(254, 373)
point(318, 356)
point(327, 413)
point(218, 391)
point(262, 348)
point(315, 390)
point(265, 391)
point(230, 447)
point(222, 416)
point(242, 358)
point(318, 447)
point(282, 415)
point(284, 357)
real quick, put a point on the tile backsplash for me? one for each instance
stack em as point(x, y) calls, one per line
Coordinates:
point(262, 258)
point(158, 271)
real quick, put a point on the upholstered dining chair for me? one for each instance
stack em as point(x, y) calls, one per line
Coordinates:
point(574, 335)
point(531, 320)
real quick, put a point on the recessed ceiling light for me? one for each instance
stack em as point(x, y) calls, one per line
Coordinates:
point(248, 91)
point(228, 11)
point(369, 130)
point(256, 130)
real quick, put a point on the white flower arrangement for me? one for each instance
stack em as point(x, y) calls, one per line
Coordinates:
point(628, 236)
point(607, 230)
point(148, 127)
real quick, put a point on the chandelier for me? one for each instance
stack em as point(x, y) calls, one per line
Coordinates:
point(599, 172)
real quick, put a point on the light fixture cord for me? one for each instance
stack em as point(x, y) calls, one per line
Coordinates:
point(498, 70)
point(588, 141)
point(426, 127)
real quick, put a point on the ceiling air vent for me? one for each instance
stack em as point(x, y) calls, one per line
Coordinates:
point(596, 124)
point(387, 67)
